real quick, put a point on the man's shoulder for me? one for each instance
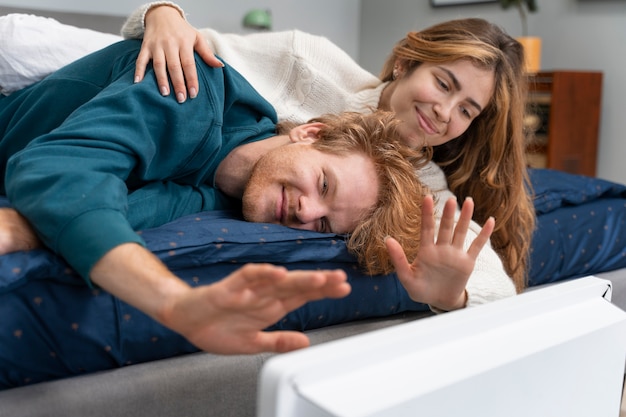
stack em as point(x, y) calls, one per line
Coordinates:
point(103, 65)
point(231, 86)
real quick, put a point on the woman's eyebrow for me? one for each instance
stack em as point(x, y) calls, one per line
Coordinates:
point(457, 85)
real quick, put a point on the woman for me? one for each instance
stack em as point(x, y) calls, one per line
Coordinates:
point(478, 142)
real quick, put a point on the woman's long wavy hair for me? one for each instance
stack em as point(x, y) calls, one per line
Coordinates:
point(487, 162)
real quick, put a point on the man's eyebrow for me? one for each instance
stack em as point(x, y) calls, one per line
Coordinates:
point(457, 85)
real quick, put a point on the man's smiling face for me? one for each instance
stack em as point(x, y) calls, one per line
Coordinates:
point(299, 186)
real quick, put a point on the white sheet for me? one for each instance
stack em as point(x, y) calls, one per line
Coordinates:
point(31, 47)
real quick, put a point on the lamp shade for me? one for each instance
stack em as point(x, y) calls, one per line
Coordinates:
point(258, 19)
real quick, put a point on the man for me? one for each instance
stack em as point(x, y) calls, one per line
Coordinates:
point(89, 154)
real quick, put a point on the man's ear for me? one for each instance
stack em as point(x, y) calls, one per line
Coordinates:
point(306, 133)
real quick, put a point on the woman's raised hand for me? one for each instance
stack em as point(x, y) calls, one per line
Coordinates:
point(442, 267)
point(169, 42)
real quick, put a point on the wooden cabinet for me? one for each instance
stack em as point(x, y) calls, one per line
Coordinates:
point(563, 120)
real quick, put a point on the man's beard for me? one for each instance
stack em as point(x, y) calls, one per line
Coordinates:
point(254, 192)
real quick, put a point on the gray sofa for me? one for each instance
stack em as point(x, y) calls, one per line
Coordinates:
point(198, 384)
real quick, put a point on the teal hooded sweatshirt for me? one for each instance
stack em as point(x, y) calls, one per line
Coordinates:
point(81, 145)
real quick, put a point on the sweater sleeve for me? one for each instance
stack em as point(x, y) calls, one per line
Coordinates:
point(135, 25)
point(301, 74)
point(35, 46)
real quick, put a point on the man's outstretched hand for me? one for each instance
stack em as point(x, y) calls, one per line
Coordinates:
point(16, 233)
point(226, 317)
point(230, 315)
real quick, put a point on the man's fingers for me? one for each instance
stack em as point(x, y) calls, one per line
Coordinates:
point(286, 341)
point(301, 287)
point(252, 275)
point(279, 341)
point(293, 287)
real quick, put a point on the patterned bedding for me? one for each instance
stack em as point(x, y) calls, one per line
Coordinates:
point(581, 226)
point(65, 328)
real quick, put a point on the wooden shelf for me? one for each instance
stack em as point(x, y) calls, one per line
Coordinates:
point(563, 120)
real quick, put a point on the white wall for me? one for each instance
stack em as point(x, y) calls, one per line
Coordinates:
point(337, 20)
point(576, 34)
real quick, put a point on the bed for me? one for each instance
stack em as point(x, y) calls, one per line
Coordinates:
point(107, 358)
point(581, 231)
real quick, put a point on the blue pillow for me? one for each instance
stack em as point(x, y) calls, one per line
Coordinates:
point(205, 247)
point(554, 189)
point(65, 328)
point(57, 326)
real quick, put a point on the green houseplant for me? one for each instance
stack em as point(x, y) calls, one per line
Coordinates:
point(531, 44)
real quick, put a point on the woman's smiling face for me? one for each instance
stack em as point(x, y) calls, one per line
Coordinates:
point(438, 102)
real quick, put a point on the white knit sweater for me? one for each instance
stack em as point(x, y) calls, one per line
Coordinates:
point(302, 75)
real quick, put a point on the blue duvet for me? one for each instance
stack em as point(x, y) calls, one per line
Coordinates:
point(54, 326)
